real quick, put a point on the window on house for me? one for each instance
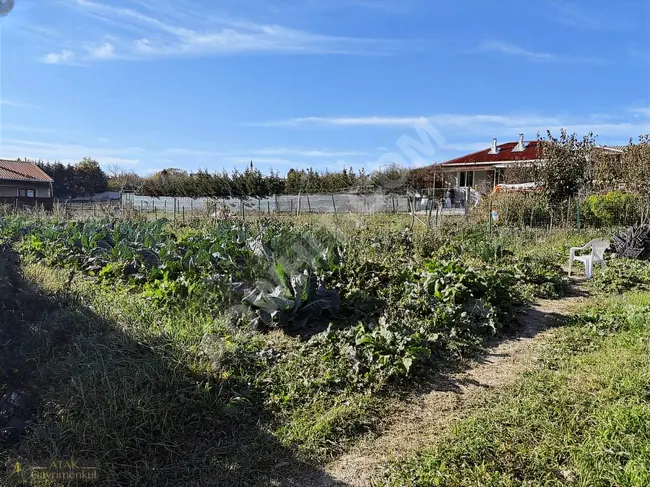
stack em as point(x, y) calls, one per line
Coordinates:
point(465, 179)
point(27, 193)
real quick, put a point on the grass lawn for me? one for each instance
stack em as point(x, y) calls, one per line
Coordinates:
point(581, 418)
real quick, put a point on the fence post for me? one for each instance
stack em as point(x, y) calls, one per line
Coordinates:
point(490, 218)
point(308, 204)
point(298, 211)
point(268, 207)
point(334, 205)
point(183, 215)
point(467, 201)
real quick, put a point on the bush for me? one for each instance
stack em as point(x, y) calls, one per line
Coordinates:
point(518, 208)
point(611, 208)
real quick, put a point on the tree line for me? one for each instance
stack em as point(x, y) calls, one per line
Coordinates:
point(87, 177)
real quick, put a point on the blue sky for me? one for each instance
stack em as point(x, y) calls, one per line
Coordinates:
point(149, 84)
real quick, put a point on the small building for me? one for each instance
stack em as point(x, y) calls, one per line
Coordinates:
point(485, 169)
point(25, 184)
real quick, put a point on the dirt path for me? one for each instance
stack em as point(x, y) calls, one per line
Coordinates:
point(418, 421)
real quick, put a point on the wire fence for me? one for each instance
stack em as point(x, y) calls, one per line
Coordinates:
point(513, 210)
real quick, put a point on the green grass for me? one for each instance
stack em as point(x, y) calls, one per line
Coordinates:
point(581, 418)
point(166, 392)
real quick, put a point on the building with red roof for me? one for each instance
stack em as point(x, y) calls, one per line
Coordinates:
point(24, 183)
point(485, 169)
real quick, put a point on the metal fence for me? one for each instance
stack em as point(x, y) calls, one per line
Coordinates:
point(313, 203)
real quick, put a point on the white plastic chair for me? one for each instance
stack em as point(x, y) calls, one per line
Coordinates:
point(597, 256)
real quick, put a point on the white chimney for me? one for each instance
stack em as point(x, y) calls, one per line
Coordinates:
point(493, 150)
point(520, 145)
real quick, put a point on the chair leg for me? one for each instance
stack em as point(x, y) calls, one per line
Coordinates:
point(588, 268)
point(570, 264)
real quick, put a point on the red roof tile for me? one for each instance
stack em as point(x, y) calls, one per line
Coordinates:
point(504, 154)
point(22, 171)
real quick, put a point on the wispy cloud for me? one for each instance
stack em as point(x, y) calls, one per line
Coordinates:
point(305, 152)
point(439, 120)
point(52, 151)
point(513, 50)
point(585, 16)
point(507, 48)
point(456, 128)
point(140, 33)
point(644, 111)
point(13, 103)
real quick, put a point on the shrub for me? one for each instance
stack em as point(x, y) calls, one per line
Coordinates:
point(611, 208)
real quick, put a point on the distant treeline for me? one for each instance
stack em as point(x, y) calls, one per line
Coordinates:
point(87, 177)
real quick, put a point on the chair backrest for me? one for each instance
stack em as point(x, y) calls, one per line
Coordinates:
point(598, 247)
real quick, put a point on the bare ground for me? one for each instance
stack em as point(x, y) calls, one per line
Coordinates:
point(418, 420)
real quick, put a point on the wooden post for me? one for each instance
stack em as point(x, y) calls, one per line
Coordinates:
point(298, 211)
point(291, 201)
point(268, 207)
point(334, 205)
point(308, 204)
point(437, 212)
point(165, 205)
point(183, 214)
point(141, 201)
point(155, 212)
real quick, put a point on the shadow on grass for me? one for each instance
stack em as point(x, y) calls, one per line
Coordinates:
point(142, 414)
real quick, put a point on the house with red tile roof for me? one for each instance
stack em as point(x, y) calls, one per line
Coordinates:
point(25, 184)
point(485, 169)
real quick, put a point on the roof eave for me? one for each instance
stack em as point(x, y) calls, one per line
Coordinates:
point(48, 181)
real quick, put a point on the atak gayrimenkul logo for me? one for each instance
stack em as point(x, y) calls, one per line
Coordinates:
point(6, 6)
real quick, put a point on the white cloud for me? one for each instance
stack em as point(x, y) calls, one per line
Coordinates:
point(106, 50)
point(643, 111)
point(507, 48)
point(65, 56)
point(184, 32)
point(12, 103)
point(52, 151)
point(439, 121)
point(515, 50)
point(305, 152)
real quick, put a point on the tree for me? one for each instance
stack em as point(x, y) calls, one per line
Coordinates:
point(89, 177)
point(121, 180)
point(563, 166)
